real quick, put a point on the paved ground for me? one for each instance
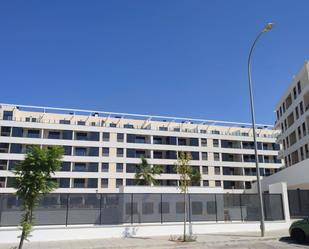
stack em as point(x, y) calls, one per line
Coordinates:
point(274, 240)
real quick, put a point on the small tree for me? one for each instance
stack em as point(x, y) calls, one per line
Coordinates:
point(145, 173)
point(188, 176)
point(33, 178)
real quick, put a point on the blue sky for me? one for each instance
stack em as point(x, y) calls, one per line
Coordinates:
point(162, 57)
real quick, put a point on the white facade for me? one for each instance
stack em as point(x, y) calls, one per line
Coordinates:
point(102, 149)
point(293, 119)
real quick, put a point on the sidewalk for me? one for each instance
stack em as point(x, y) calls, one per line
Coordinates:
point(231, 240)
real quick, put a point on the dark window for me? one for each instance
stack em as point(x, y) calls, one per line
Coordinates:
point(93, 151)
point(105, 167)
point(119, 167)
point(119, 152)
point(67, 135)
point(65, 166)
point(120, 137)
point(119, 182)
point(205, 183)
point(11, 182)
point(34, 133)
point(54, 135)
point(67, 150)
point(215, 142)
point(204, 156)
point(81, 123)
point(92, 183)
point(64, 182)
point(93, 167)
point(131, 168)
point(205, 170)
point(80, 167)
point(12, 164)
point(204, 142)
point(217, 171)
point(17, 132)
point(298, 87)
point(104, 183)
point(7, 115)
point(5, 131)
point(79, 183)
point(94, 136)
point(218, 183)
point(80, 151)
point(105, 151)
point(216, 156)
point(16, 148)
point(112, 125)
point(193, 141)
point(63, 121)
point(105, 136)
point(128, 126)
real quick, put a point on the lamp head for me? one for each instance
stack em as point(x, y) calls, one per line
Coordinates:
point(268, 27)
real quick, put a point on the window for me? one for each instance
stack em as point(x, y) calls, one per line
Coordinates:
point(119, 167)
point(64, 182)
point(217, 170)
point(81, 136)
point(218, 183)
point(205, 183)
point(67, 150)
point(63, 121)
point(104, 183)
point(93, 151)
point(92, 183)
point(205, 170)
point(81, 122)
point(80, 167)
point(104, 167)
point(162, 128)
point(301, 153)
point(7, 115)
point(301, 108)
point(15, 148)
point(119, 152)
point(294, 93)
point(54, 135)
point(79, 183)
point(112, 125)
point(215, 142)
point(298, 87)
point(216, 156)
point(67, 135)
point(65, 166)
point(93, 167)
point(5, 131)
point(304, 128)
point(131, 168)
point(204, 142)
point(120, 137)
point(33, 133)
point(215, 132)
point(12, 164)
point(105, 136)
point(105, 151)
point(3, 164)
point(80, 151)
point(296, 112)
point(128, 126)
point(299, 132)
point(204, 156)
point(119, 182)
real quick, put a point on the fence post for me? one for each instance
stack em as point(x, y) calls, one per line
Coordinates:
point(67, 211)
point(101, 209)
point(131, 208)
point(1, 197)
point(299, 202)
point(240, 205)
point(161, 208)
point(216, 207)
point(189, 209)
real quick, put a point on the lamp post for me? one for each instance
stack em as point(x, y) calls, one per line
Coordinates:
point(267, 28)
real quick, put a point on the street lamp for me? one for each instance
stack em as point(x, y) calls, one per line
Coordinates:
point(267, 28)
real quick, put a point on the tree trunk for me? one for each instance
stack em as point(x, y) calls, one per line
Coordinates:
point(21, 242)
point(185, 215)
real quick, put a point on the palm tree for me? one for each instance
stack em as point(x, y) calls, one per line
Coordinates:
point(188, 176)
point(145, 174)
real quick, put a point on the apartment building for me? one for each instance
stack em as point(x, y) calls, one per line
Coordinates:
point(102, 149)
point(293, 119)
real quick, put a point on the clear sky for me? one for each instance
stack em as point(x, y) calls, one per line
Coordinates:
point(161, 57)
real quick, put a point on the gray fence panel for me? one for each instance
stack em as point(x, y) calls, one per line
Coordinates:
point(173, 207)
point(228, 207)
point(250, 207)
point(51, 210)
point(84, 209)
point(298, 203)
point(11, 213)
point(203, 207)
point(273, 207)
point(148, 208)
point(112, 211)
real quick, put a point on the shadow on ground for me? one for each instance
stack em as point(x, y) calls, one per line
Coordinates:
point(290, 241)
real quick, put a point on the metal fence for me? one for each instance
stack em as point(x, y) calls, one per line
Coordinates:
point(299, 203)
point(69, 209)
